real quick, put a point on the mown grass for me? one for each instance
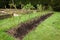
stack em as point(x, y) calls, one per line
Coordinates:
point(47, 30)
point(5, 36)
point(9, 23)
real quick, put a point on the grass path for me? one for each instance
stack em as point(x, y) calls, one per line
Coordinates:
point(47, 30)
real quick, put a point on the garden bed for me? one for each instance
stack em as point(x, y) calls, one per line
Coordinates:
point(5, 15)
point(24, 28)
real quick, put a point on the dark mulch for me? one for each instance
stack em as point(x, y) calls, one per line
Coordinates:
point(4, 16)
point(24, 28)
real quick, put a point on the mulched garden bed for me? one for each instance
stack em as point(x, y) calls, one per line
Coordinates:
point(24, 28)
point(5, 15)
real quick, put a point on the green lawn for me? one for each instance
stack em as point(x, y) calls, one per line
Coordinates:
point(13, 22)
point(47, 30)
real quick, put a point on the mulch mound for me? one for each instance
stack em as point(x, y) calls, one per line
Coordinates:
point(4, 16)
point(24, 28)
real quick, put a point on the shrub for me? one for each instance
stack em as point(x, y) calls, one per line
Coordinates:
point(28, 6)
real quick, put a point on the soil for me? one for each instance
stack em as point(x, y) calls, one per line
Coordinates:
point(24, 28)
point(4, 16)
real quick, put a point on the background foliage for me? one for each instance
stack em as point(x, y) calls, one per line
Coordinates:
point(55, 4)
